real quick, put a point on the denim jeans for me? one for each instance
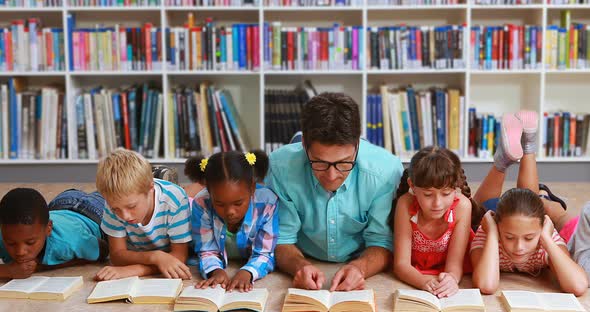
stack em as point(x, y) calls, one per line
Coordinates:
point(90, 205)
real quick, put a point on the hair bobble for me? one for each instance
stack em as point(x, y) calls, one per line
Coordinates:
point(203, 164)
point(250, 158)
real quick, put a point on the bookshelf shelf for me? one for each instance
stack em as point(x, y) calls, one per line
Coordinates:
point(493, 91)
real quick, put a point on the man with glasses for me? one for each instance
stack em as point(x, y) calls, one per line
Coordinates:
point(335, 194)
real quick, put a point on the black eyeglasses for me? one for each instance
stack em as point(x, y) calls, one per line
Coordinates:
point(342, 166)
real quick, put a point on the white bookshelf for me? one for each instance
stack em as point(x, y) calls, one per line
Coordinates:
point(489, 91)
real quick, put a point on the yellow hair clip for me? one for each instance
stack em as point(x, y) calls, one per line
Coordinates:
point(204, 163)
point(250, 158)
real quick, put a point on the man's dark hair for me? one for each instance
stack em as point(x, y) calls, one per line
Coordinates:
point(332, 119)
point(23, 206)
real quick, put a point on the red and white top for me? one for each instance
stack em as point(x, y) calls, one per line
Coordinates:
point(429, 256)
point(537, 262)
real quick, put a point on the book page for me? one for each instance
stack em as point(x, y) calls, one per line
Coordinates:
point(114, 288)
point(322, 296)
point(58, 285)
point(561, 302)
point(213, 294)
point(258, 295)
point(421, 295)
point(156, 287)
point(463, 298)
point(522, 299)
point(26, 285)
point(366, 295)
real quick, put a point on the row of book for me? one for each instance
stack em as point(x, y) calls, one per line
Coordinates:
point(566, 134)
point(405, 120)
point(506, 47)
point(282, 113)
point(115, 48)
point(208, 3)
point(312, 3)
point(208, 46)
point(423, 47)
point(26, 45)
point(503, 2)
point(562, 2)
point(114, 3)
point(483, 134)
point(567, 44)
point(32, 122)
point(312, 48)
point(30, 3)
point(412, 2)
point(204, 119)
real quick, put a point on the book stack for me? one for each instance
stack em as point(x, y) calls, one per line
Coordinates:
point(208, 46)
point(312, 48)
point(30, 3)
point(114, 3)
point(483, 132)
point(566, 134)
point(562, 2)
point(405, 120)
point(101, 120)
point(503, 2)
point(506, 47)
point(115, 48)
point(417, 47)
point(203, 120)
point(282, 113)
point(208, 3)
point(26, 45)
point(568, 46)
point(312, 3)
point(413, 2)
point(32, 122)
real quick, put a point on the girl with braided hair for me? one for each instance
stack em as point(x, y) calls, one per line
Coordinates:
point(431, 218)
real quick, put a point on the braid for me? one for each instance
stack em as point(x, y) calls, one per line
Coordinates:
point(402, 188)
point(477, 211)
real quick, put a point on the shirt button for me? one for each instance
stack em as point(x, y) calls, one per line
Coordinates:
point(331, 240)
point(222, 236)
point(332, 221)
point(332, 257)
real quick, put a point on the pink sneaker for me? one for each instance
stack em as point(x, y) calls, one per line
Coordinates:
point(529, 121)
point(511, 132)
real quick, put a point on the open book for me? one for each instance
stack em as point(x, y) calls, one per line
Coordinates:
point(420, 300)
point(323, 300)
point(41, 288)
point(135, 290)
point(216, 299)
point(524, 301)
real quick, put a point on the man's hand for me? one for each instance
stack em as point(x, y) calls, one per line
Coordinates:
point(22, 269)
point(217, 277)
point(349, 277)
point(170, 266)
point(241, 281)
point(309, 277)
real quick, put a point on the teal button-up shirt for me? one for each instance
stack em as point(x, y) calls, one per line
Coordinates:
point(335, 226)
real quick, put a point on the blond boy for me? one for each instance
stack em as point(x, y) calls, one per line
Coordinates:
point(147, 220)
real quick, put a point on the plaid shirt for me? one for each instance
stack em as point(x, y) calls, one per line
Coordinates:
point(256, 238)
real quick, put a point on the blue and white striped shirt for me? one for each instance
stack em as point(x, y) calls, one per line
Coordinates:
point(170, 222)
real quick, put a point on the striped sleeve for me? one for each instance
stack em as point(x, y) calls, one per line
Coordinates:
point(479, 240)
point(557, 238)
point(111, 224)
point(179, 229)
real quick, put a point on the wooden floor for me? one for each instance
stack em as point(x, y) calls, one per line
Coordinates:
point(384, 284)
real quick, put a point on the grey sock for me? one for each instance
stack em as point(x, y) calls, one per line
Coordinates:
point(529, 142)
point(501, 160)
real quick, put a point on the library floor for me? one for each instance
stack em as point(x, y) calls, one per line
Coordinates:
point(383, 284)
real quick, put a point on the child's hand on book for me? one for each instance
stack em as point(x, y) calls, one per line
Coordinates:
point(447, 285)
point(22, 269)
point(431, 285)
point(309, 277)
point(171, 267)
point(241, 281)
point(348, 278)
point(114, 272)
point(217, 277)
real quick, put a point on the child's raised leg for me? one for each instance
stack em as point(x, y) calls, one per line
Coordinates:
point(508, 152)
point(527, 173)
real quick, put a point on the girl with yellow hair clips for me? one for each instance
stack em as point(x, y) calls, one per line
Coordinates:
point(234, 217)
